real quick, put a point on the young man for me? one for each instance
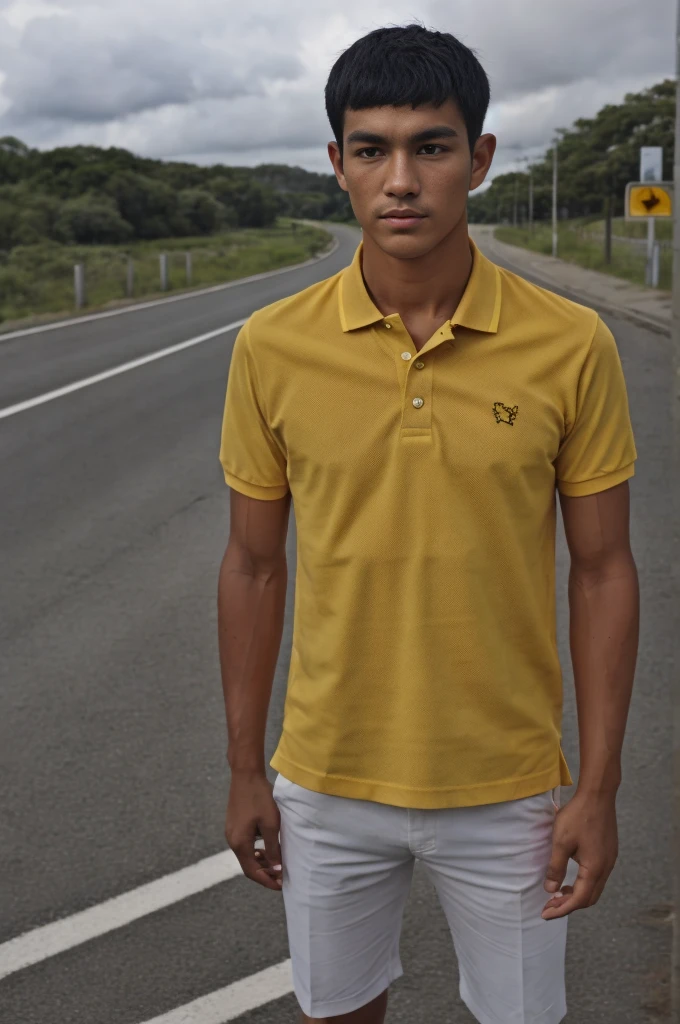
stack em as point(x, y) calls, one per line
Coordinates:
point(421, 408)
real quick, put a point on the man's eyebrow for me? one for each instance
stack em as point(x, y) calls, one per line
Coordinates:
point(440, 131)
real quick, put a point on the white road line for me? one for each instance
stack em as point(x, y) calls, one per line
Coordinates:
point(50, 939)
point(231, 1001)
point(49, 396)
point(161, 302)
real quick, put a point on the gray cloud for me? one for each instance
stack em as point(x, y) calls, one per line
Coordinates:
point(96, 67)
point(529, 45)
point(221, 82)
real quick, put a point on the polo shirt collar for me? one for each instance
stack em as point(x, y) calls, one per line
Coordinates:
point(478, 309)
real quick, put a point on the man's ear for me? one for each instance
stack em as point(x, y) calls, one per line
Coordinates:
point(482, 156)
point(336, 159)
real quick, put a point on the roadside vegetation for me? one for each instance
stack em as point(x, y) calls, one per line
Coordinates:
point(100, 207)
point(596, 156)
point(39, 279)
point(581, 241)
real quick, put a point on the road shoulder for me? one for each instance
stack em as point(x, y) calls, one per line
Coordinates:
point(644, 306)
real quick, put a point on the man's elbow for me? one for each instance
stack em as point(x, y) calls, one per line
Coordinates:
point(604, 567)
point(262, 565)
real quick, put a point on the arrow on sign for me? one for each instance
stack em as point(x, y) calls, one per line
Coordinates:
point(651, 201)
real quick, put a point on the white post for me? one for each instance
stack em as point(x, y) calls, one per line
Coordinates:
point(188, 268)
point(554, 201)
point(649, 275)
point(79, 284)
point(164, 271)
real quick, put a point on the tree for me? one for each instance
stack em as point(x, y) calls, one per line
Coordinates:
point(255, 204)
point(91, 220)
point(145, 203)
point(221, 186)
point(15, 159)
point(201, 210)
point(9, 225)
point(597, 157)
point(38, 215)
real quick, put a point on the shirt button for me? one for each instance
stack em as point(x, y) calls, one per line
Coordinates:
point(388, 326)
point(420, 365)
point(418, 402)
point(406, 356)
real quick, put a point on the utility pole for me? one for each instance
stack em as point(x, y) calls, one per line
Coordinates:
point(608, 228)
point(675, 547)
point(554, 199)
point(531, 198)
point(514, 205)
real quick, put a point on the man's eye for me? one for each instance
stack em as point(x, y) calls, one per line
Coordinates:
point(369, 152)
point(432, 145)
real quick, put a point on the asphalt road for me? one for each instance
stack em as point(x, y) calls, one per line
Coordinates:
point(112, 737)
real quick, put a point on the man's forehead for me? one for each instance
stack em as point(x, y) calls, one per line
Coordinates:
point(403, 120)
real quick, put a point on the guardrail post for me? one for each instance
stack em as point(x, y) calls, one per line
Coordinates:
point(79, 284)
point(164, 271)
point(188, 258)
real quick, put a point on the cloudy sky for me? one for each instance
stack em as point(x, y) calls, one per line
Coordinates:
point(241, 81)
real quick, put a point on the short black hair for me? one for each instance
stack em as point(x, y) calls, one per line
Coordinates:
point(411, 64)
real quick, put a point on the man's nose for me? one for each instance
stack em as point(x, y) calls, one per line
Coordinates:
point(401, 178)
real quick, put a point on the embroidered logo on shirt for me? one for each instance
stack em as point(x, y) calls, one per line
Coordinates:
point(505, 414)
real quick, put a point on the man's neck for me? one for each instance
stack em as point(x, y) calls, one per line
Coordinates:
point(428, 287)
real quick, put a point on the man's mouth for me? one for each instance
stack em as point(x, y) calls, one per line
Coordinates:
point(403, 218)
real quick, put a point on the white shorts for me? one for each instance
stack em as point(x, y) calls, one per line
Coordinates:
point(347, 868)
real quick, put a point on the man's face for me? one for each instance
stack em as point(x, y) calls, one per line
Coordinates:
point(400, 159)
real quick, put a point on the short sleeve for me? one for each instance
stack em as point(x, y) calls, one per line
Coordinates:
point(598, 450)
point(252, 461)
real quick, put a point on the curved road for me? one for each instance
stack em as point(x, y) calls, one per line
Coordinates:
point(112, 737)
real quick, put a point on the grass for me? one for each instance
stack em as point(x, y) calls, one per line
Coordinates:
point(37, 280)
point(636, 229)
point(573, 246)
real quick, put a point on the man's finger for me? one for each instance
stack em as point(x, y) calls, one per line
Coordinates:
point(597, 892)
point(557, 868)
point(273, 870)
point(579, 898)
point(272, 849)
point(556, 901)
point(253, 870)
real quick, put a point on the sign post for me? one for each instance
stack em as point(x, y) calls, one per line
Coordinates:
point(651, 239)
point(651, 203)
point(651, 170)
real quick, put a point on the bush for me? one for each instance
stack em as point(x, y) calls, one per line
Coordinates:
point(200, 209)
point(90, 220)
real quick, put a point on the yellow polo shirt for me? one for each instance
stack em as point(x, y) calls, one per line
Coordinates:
point(424, 669)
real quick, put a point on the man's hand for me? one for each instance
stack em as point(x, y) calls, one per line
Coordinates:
point(586, 831)
point(252, 812)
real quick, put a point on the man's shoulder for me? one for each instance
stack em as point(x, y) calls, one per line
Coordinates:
point(295, 312)
point(549, 311)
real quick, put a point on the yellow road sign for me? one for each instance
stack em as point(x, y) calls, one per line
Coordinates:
point(649, 200)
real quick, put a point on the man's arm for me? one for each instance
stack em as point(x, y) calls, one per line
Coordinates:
point(604, 625)
point(251, 603)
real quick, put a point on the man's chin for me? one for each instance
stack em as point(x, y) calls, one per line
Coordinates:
point(406, 246)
